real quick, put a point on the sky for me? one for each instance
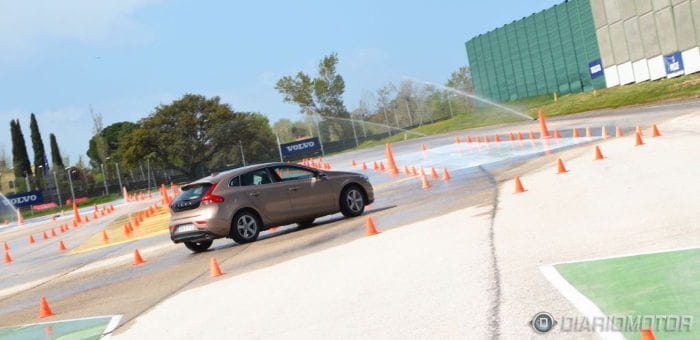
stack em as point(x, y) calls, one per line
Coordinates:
point(123, 58)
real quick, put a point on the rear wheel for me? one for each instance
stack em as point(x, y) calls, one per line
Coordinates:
point(199, 246)
point(352, 202)
point(306, 223)
point(246, 227)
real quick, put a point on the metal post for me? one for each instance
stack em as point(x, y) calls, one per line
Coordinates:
point(318, 129)
point(119, 176)
point(452, 114)
point(240, 145)
point(104, 178)
point(148, 169)
point(70, 181)
point(408, 110)
point(143, 176)
point(386, 120)
point(26, 181)
point(354, 132)
point(279, 147)
point(58, 189)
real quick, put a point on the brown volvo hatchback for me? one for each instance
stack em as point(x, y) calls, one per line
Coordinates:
point(240, 203)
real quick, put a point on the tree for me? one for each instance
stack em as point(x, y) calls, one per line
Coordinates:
point(40, 160)
point(56, 160)
point(111, 137)
point(462, 80)
point(322, 96)
point(193, 131)
point(20, 158)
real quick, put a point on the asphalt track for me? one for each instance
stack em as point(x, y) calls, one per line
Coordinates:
point(103, 281)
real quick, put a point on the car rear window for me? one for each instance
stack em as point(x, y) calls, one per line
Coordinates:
point(193, 192)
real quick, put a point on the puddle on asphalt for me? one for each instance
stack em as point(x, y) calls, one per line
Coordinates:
point(86, 328)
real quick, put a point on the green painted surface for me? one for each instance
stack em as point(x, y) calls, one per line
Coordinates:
point(91, 328)
point(654, 284)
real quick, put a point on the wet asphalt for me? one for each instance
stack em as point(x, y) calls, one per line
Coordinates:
point(75, 290)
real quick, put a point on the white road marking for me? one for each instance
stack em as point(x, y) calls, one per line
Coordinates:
point(580, 301)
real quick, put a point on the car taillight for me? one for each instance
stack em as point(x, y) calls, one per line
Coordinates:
point(209, 198)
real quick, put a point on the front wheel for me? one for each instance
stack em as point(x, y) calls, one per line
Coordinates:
point(246, 227)
point(198, 247)
point(352, 202)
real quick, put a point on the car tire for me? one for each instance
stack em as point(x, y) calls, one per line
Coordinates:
point(352, 201)
point(245, 227)
point(198, 247)
point(306, 223)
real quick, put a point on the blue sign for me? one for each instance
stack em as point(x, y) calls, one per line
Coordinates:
point(301, 146)
point(26, 199)
point(674, 63)
point(595, 68)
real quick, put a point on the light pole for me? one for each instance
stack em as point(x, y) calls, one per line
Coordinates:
point(58, 188)
point(104, 178)
point(240, 145)
point(119, 176)
point(279, 147)
point(70, 181)
point(408, 110)
point(449, 102)
point(26, 180)
point(148, 170)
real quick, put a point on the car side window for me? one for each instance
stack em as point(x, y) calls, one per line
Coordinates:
point(257, 177)
point(290, 173)
point(234, 182)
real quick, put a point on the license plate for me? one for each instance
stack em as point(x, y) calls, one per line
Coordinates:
point(185, 228)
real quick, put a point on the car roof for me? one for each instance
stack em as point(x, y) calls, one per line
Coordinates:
point(237, 171)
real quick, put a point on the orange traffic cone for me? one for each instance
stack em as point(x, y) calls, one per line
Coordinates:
point(532, 135)
point(53, 232)
point(638, 139)
point(520, 135)
point(364, 166)
point(5, 246)
point(8, 259)
point(457, 140)
point(20, 219)
point(424, 180)
point(647, 334)
point(413, 171)
point(137, 258)
point(375, 166)
point(423, 148)
point(391, 164)
point(214, 268)
point(31, 239)
point(511, 136)
point(598, 154)
point(86, 219)
point(486, 139)
point(588, 132)
point(544, 132)
point(574, 132)
point(353, 163)
point(105, 237)
point(604, 132)
point(496, 138)
point(44, 309)
point(44, 236)
point(445, 175)
point(371, 229)
point(478, 139)
point(518, 186)
point(638, 130)
point(433, 174)
point(618, 132)
point(469, 139)
point(61, 245)
point(557, 134)
point(406, 171)
point(655, 131)
point(560, 167)
point(381, 167)
point(76, 213)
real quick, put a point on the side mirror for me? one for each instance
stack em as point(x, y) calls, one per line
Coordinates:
point(322, 176)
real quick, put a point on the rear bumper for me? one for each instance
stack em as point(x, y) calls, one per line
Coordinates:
point(194, 236)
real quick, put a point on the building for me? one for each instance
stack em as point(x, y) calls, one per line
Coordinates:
point(581, 45)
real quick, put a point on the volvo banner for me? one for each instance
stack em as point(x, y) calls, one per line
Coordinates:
point(304, 146)
point(26, 199)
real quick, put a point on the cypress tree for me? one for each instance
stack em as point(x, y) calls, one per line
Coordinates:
point(20, 158)
point(56, 159)
point(38, 146)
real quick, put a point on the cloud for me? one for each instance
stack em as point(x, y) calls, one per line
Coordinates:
point(26, 26)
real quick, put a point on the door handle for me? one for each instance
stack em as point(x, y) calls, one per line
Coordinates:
point(293, 189)
point(254, 194)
